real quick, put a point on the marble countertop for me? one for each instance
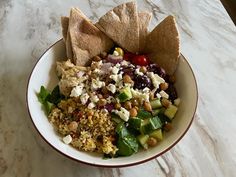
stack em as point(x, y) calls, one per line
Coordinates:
point(208, 40)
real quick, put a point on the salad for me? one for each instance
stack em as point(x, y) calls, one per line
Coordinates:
point(119, 104)
point(116, 91)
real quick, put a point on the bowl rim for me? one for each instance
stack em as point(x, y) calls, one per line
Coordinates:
point(108, 166)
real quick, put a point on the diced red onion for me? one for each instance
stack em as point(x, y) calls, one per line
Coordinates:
point(114, 59)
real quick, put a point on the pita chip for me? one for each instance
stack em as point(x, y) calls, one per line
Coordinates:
point(87, 40)
point(66, 37)
point(64, 25)
point(144, 20)
point(163, 45)
point(121, 25)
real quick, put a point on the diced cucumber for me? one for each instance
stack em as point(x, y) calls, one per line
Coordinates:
point(135, 123)
point(156, 103)
point(127, 145)
point(146, 127)
point(150, 124)
point(125, 94)
point(156, 112)
point(164, 118)
point(142, 114)
point(142, 139)
point(171, 111)
point(121, 130)
point(157, 134)
point(156, 122)
point(116, 118)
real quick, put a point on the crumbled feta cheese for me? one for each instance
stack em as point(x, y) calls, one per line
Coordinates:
point(91, 105)
point(164, 94)
point(100, 63)
point(111, 88)
point(80, 74)
point(177, 101)
point(110, 99)
point(146, 89)
point(115, 53)
point(156, 80)
point(123, 113)
point(77, 91)
point(96, 84)
point(137, 71)
point(67, 139)
point(84, 98)
point(118, 65)
point(124, 63)
point(115, 70)
point(158, 95)
point(94, 98)
point(116, 77)
point(143, 96)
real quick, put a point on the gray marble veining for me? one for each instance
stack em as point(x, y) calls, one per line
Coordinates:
point(29, 27)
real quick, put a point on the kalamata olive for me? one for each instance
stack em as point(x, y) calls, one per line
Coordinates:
point(171, 91)
point(157, 70)
point(140, 82)
point(129, 71)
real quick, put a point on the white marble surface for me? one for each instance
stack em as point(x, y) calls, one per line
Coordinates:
point(208, 39)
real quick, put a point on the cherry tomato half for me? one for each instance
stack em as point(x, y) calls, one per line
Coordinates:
point(141, 60)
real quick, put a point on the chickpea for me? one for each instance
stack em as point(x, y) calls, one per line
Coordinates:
point(127, 79)
point(167, 127)
point(147, 106)
point(135, 102)
point(165, 102)
point(73, 126)
point(117, 105)
point(133, 112)
point(164, 86)
point(151, 141)
point(143, 69)
point(102, 102)
point(128, 105)
point(104, 90)
point(96, 58)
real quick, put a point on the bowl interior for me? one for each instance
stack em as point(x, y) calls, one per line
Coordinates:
point(44, 74)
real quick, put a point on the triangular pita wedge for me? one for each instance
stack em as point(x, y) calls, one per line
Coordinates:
point(64, 25)
point(163, 45)
point(87, 40)
point(121, 25)
point(144, 20)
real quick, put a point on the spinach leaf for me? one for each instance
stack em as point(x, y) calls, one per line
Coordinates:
point(43, 97)
point(55, 96)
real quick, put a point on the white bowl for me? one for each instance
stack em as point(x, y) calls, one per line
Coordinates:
point(44, 74)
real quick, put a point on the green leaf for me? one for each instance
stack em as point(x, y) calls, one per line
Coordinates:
point(55, 97)
point(43, 95)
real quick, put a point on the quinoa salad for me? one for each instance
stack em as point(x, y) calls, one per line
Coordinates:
point(117, 105)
